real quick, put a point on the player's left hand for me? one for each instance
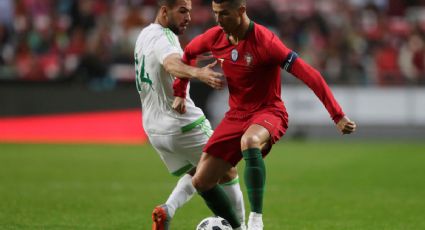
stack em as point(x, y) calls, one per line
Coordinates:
point(179, 105)
point(346, 126)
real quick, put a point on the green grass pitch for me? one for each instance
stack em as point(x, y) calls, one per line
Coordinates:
point(310, 185)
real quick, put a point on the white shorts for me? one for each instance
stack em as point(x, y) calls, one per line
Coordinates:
point(182, 152)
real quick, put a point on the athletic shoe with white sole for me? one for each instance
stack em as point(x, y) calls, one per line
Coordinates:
point(255, 221)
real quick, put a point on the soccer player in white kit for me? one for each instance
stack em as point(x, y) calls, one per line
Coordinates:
point(178, 138)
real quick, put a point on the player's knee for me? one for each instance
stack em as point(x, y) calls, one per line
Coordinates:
point(230, 175)
point(250, 141)
point(201, 185)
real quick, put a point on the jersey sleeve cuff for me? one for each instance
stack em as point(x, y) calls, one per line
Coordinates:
point(180, 86)
point(168, 53)
point(337, 118)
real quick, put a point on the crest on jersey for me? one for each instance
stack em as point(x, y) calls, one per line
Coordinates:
point(248, 59)
point(234, 55)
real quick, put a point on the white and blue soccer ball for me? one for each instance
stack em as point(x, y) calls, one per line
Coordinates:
point(214, 223)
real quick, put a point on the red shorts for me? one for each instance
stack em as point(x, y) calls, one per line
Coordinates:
point(225, 143)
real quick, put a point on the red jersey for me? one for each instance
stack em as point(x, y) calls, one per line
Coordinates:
point(253, 70)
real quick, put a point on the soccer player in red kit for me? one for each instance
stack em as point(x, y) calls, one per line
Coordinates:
point(251, 57)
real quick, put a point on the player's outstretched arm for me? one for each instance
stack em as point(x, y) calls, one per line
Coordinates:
point(346, 126)
point(176, 67)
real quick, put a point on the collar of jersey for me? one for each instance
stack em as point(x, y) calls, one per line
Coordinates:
point(250, 28)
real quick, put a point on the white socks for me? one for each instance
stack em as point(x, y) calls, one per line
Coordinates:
point(233, 191)
point(182, 193)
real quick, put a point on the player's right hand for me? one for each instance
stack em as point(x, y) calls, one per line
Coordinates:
point(179, 105)
point(210, 77)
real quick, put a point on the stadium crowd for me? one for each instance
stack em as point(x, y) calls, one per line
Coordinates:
point(352, 42)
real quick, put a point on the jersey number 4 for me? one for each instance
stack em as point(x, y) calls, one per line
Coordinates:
point(142, 77)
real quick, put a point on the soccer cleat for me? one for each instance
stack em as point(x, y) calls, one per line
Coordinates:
point(255, 221)
point(160, 217)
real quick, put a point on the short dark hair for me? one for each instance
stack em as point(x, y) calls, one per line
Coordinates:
point(169, 3)
point(232, 3)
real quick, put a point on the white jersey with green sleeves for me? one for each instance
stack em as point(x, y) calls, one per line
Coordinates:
point(155, 85)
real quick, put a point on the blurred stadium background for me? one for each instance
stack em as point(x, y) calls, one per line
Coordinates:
point(66, 76)
point(77, 56)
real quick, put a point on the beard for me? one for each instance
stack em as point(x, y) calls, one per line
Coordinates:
point(173, 27)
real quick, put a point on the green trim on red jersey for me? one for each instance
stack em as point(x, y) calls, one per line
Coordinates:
point(250, 28)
